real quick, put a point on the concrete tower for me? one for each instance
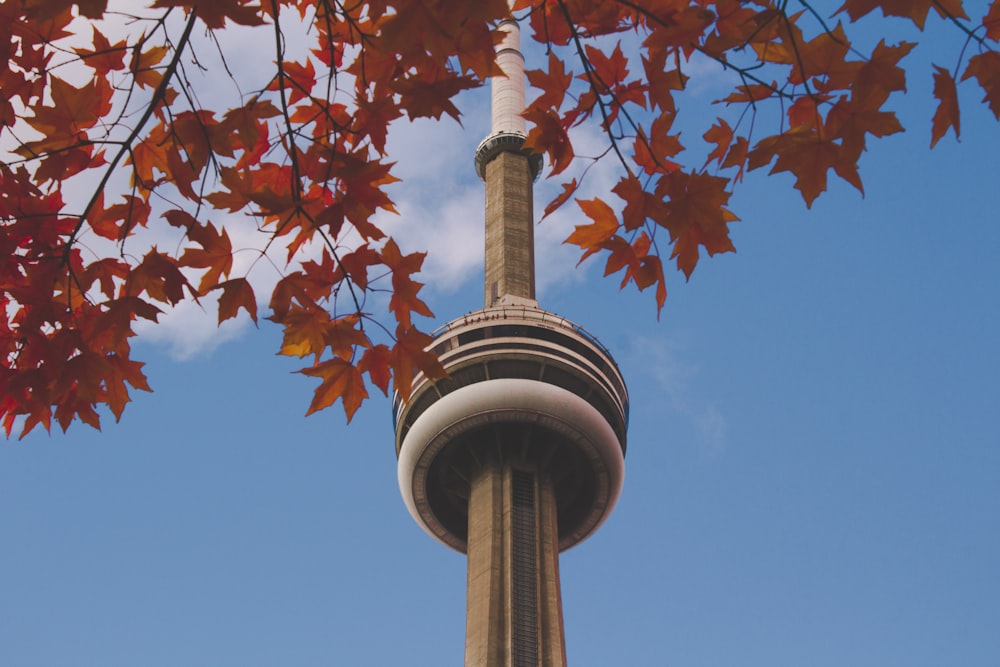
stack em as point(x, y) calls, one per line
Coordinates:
point(519, 453)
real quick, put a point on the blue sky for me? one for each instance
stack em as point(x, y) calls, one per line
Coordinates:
point(813, 472)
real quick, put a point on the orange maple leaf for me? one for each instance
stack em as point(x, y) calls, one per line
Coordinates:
point(215, 254)
point(144, 64)
point(604, 226)
point(341, 380)
point(404, 298)
point(305, 331)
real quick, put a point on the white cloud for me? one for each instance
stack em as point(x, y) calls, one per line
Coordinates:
point(189, 330)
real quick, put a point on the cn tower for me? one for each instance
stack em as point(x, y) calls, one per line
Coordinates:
point(519, 453)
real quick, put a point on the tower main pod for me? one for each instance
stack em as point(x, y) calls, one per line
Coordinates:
point(519, 453)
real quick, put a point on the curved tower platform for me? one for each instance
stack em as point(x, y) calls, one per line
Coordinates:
point(519, 453)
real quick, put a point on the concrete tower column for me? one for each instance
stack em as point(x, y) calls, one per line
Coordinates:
point(514, 607)
point(510, 243)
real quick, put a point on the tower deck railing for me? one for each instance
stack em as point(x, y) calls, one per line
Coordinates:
point(527, 330)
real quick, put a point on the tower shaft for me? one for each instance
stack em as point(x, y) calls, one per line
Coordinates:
point(514, 607)
point(510, 245)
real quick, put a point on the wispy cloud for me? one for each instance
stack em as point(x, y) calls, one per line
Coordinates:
point(663, 361)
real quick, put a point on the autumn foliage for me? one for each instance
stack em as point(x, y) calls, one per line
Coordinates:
point(121, 123)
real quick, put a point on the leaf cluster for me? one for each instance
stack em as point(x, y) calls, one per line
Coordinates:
point(107, 142)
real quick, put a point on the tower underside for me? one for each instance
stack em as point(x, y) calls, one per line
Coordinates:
point(517, 455)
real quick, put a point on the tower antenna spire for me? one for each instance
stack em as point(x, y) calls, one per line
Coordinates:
point(507, 92)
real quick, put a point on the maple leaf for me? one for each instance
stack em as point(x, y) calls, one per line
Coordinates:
point(376, 362)
point(652, 152)
point(298, 78)
point(344, 335)
point(880, 75)
point(611, 70)
point(404, 298)
point(158, 276)
point(104, 57)
point(721, 135)
point(553, 82)
point(73, 111)
point(569, 189)
point(851, 124)
point(341, 380)
point(116, 221)
point(751, 93)
point(604, 226)
point(144, 64)
point(686, 25)
point(244, 126)
point(947, 114)
point(737, 156)
point(305, 331)
point(215, 254)
point(991, 21)
point(372, 119)
point(640, 205)
point(695, 214)
point(809, 155)
point(662, 82)
point(549, 137)
point(49, 9)
point(356, 263)
point(122, 371)
point(236, 293)
point(64, 163)
point(548, 23)
point(985, 67)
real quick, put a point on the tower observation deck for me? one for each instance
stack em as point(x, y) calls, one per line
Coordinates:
point(519, 453)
